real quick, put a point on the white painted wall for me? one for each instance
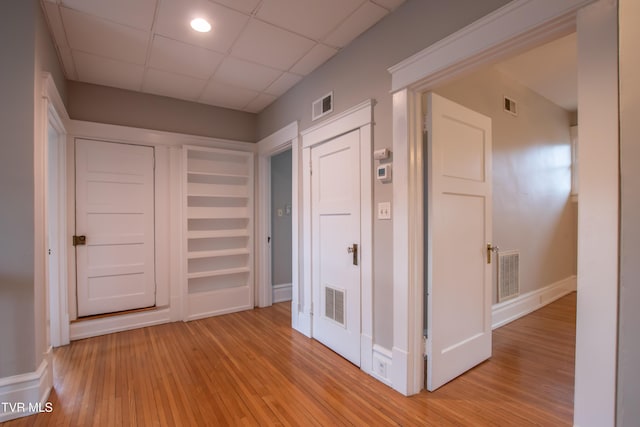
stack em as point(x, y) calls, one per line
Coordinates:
point(27, 50)
point(628, 410)
point(596, 331)
point(531, 166)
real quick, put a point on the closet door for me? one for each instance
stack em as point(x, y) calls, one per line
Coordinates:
point(218, 191)
point(115, 227)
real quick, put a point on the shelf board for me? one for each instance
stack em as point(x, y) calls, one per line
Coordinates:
point(217, 253)
point(213, 273)
point(218, 196)
point(223, 175)
point(209, 234)
point(196, 212)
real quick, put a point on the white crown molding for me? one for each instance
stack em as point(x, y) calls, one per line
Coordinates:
point(117, 133)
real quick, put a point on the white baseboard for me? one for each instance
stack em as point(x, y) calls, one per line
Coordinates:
point(125, 322)
point(27, 394)
point(366, 354)
point(508, 311)
point(281, 293)
point(382, 364)
point(399, 371)
point(303, 325)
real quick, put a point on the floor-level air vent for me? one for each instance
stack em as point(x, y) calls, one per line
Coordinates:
point(334, 304)
point(508, 275)
point(322, 107)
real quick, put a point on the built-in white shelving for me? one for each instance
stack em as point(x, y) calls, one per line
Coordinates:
point(218, 212)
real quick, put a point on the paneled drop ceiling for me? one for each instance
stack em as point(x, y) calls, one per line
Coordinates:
point(255, 52)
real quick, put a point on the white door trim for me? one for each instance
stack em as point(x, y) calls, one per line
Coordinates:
point(357, 117)
point(55, 114)
point(279, 141)
point(519, 25)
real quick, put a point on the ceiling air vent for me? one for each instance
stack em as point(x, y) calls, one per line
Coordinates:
point(510, 106)
point(322, 107)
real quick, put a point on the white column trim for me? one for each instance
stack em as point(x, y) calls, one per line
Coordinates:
point(54, 113)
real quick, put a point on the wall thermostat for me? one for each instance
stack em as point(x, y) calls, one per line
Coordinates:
point(383, 173)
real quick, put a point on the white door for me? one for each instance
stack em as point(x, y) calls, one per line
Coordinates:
point(459, 227)
point(115, 211)
point(335, 223)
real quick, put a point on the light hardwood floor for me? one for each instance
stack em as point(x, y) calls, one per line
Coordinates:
point(251, 368)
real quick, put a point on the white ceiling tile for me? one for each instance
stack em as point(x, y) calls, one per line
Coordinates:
point(271, 46)
point(311, 18)
point(181, 58)
point(226, 95)
point(134, 13)
point(356, 24)
point(107, 72)
point(312, 60)
point(175, 85)
point(245, 6)
point(55, 24)
point(259, 103)
point(285, 82)
point(246, 74)
point(389, 4)
point(104, 38)
point(174, 17)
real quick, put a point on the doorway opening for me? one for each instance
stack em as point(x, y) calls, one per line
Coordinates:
point(280, 237)
point(533, 161)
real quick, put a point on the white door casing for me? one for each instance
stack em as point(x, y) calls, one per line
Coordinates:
point(335, 192)
point(115, 211)
point(459, 226)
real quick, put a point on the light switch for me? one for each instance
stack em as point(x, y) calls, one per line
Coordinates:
point(384, 210)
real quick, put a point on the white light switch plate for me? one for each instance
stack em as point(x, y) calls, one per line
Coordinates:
point(384, 210)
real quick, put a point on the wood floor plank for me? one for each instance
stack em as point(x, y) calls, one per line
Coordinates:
point(251, 368)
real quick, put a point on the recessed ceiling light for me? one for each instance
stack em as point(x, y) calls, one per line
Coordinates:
point(201, 25)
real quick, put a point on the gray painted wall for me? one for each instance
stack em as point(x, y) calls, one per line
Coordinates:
point(103, 104)
point(27, 50)
point(532, 211)
point(359, 72)
point(628, 410)
point(281, 225)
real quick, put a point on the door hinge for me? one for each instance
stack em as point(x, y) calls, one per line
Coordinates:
point(79, 240)
point(425, 342)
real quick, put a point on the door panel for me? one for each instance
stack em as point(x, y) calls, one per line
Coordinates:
point(335, 188)
point(459, 224)
point(115, 210)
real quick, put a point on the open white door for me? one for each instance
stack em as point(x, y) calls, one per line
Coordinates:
point(459, 229)
point(115, 213)
point(335, 188)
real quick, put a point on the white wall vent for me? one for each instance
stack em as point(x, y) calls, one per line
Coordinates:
point(334, 304)
point(510, 106)
point(508, 275)
point(322, 106)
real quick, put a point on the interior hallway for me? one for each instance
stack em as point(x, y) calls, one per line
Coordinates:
point(251, 368)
